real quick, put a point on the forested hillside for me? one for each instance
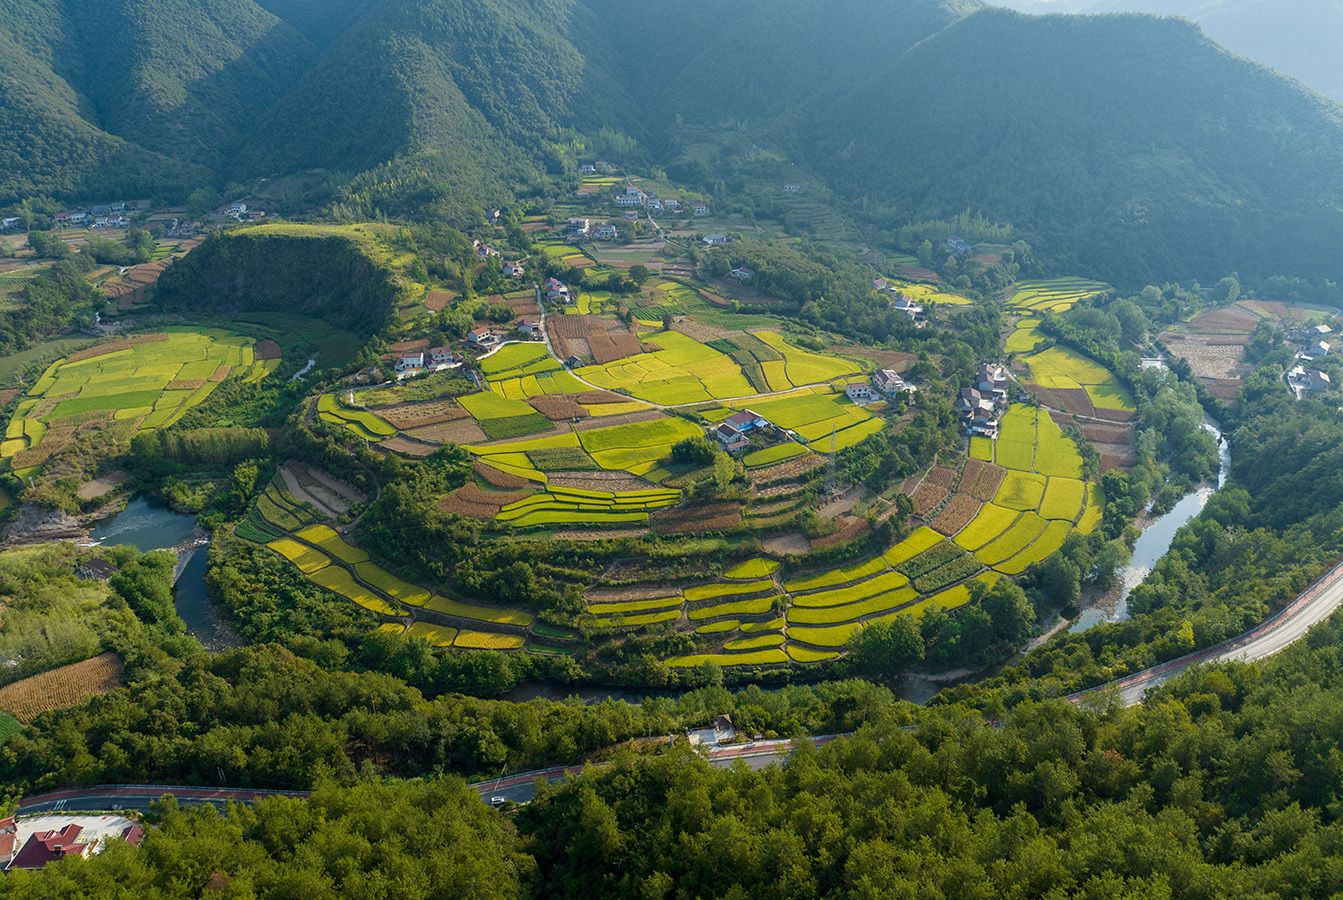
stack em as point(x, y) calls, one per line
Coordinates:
point(1299, 38)
point(1125, 147)
point(1058, 125)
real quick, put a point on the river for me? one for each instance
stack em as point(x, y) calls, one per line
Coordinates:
point(1155, 540)
point(148, 527)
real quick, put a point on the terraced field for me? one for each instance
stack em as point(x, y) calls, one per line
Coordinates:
point(1053, 294)
point(1040, 501)
point(140, 383)
point(324, 558)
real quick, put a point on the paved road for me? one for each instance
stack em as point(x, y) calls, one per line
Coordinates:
point(521, 788)
point(1272, 635)
point(108, 797)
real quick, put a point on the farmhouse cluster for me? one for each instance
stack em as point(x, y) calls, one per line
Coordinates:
point(981, 406)
point(31, 843)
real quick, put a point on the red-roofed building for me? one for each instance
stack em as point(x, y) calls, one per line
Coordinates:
point(48, 846)
point(134, 834)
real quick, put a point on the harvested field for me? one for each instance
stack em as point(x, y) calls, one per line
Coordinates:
point(942, 476)
point(405, 416)
point(409, 346)
point(61, 688)
point(478, 503)
point(1222, 388)
point(685, 520)
point(558, 407)
point(786, 471)
point(1236, 319)
point(437, 301)
point(407, 447)
point(1099, 433)
point(927, 496)
point(494, 477)
point(1073, 401)
point(956, 514)
point(887, 359)
point(1208, 357)
point(462, 431)
point(592, 337)
point(522, 305)
point(987, 484)
point(598, 481)
point(701, 331)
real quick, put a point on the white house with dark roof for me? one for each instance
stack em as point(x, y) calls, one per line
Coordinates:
point(407, 362)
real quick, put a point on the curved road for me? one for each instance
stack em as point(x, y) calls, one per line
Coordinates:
point(1272, 635)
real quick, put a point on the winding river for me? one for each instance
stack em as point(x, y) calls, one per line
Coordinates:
point(148, 527)
point(1155, 540)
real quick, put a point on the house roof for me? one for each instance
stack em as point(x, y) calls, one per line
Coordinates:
point(43, 847)
point(741, 420)
point(482, 330)
point(440, 351)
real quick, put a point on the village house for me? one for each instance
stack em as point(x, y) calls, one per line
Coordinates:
point(9, 223)
point(743, 273)
point(408, 362)
point(654, 204)
point(1318, 350)
point(627, 201)
point(72, 217)
point(557, 290)
point(957, 246)
point(889, 382)
point(992, 381)
point(861, 392)
point(701, 209)
point(481, 337)
point(578, 227)
point(717, 239)
point(529, 328)
point(721, 732)
point(791, 188)
point(732, 440)
point(95, 570)
point(495, 216)
point(43, 847)
point(671, 205)
point(903, 304)
point(443, 356)
point(880, 284)
point(630, 215)
point(587, 169)
point(484, 250)
point(603, 167)
point(515, 269)
point(1309, 380)
point(607, 232)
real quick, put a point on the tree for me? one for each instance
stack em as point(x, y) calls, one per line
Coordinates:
point(639, 273)
point(926, 254)
point(885, 648)
point(1227, 290)
point(692, 451)
point(47, 245)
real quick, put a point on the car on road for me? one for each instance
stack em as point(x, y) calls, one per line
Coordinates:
point(498, 800)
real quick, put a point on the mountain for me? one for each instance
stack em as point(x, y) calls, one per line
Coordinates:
point(477, 98)
point(1128, 147)
point(1299, 38)
point(1059, 125)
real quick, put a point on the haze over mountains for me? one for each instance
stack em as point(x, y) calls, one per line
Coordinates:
point(1131, 147)
point(1298, 37)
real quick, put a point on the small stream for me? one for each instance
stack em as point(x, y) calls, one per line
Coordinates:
point(148, 527)
point(1155, 540)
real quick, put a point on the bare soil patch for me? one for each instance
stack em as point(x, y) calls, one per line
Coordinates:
point(437, 301)
point(850, 527)
point(710, 517)
point(558, 407)
point(406, 416)
point(598, 481)
point(409, 346)
point(407, 447)
point(793, 543)
point(459, 431)
point(494, 477)
point(603, 340)
point(476, 502)
point(102, 485)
